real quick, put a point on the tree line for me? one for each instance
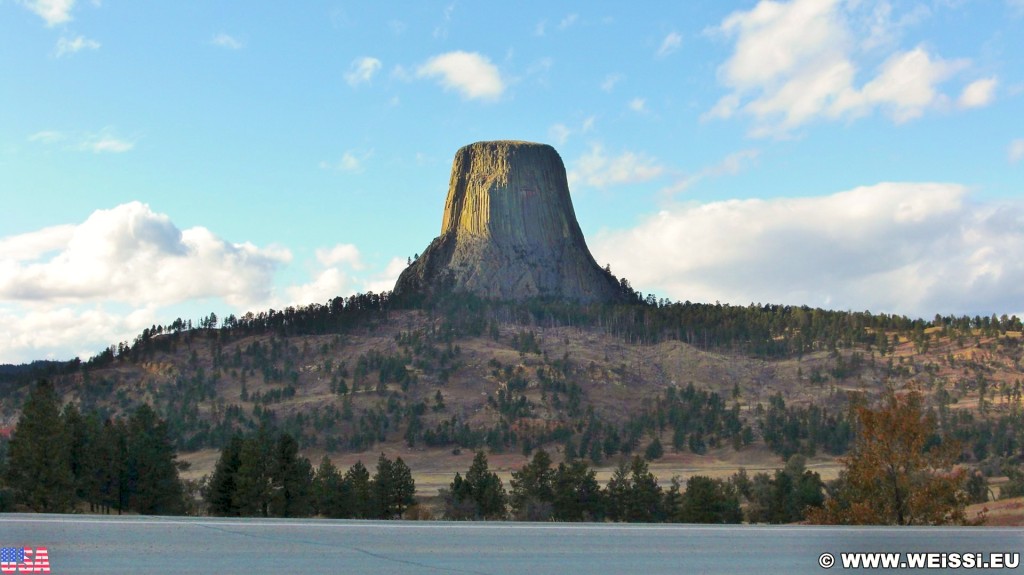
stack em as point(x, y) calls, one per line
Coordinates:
point(900, 470)
point(539, 491)
point(60, 460)
point(261, 475)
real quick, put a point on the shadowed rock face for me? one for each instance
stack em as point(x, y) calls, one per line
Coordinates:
point(509, 231)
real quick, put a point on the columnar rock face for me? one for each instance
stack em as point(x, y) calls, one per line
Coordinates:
point(509, 231)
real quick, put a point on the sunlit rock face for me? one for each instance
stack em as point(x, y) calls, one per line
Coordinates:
point(509, 231)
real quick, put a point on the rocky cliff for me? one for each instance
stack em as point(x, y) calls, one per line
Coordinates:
point(509, 231)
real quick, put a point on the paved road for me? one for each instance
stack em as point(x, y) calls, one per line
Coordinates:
point(98, 544)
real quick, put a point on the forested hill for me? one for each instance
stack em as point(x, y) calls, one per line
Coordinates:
point(597, 380)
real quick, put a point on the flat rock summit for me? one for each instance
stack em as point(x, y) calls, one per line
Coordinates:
point(509, 232)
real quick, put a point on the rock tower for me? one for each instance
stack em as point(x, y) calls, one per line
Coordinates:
point(509, 232)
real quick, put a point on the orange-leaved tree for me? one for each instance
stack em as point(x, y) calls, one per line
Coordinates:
point(899, 472)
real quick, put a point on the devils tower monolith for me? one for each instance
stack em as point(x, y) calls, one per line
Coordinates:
point(509, 232)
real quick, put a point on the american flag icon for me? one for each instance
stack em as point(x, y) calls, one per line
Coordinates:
point(12, 555)
point(24, 560)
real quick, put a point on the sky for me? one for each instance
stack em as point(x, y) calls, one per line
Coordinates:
point(171, 159)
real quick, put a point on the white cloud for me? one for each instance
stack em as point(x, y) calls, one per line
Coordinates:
point(473, 75)
point(978, 93)
point(350, 162)
point(133, 255)
point(385, 281)
point(906, 86)
point(441, 31)
point(105, 142)
point(638, 105)
point(609, 82)
point(540, 28)
point(559, 133)
point(76, 44)
point(730, 165)
point(596, 169)
point(397, 27)
point(908, 248)
point(338, 277)
point(341, 253)
point(29, 333)
point(48, 137)
point(73, 290)
point(362, 70)
point(796, 62)
point(1016, 151)
point(670, 44)
point(34, 245)
point(568, 21)
point(328, 284)
point(227, 41)
point(52, 11)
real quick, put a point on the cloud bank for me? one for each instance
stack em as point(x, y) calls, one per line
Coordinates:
point(72, 290)
point(909, 248)
point(799, 61)
point(134, 255)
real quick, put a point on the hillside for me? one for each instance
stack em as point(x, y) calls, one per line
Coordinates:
point(711, 382)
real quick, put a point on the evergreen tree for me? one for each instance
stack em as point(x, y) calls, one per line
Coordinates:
point(112, 475)
point(487, 489)
point(645, 502)
point(787, 496)
point(673, 502)
point(81, 443)
point(393, 487)
point(576, 494)
point(708, 500)
point(357, 480)
point(616, 493)
point(254, 483)
point(459, 504)
point(220, 490)
point(330, 494)
point(152, 470)
point(531, 492)
point(39, 470)
point(654, 450)
point(480, 495)
point(633, 494)
point(291, 480)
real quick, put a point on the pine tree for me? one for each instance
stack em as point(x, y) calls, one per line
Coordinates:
point(393, 487)
point(112, 476)
point(292, 480)
point(220, 490)
point(633, 494)
point(83, 434)
point(531, 491)
point(332, 497)
point(645, 502)
point(708, 500)
point(357, 478)
point(152, 470)
point(39, 469)
point(576, 495)
point(253, 487)
point(487, 489)
point(480, 495)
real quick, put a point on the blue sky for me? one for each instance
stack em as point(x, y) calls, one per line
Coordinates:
point(170, 159)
